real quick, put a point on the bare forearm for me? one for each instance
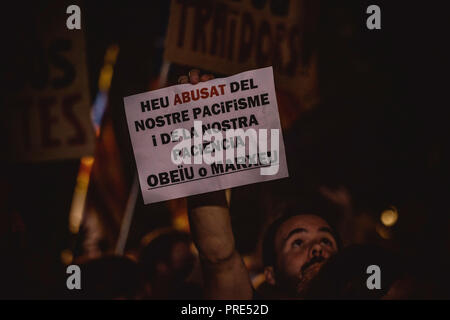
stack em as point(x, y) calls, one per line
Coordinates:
point(228, 279)
point(225, 274)
point(210, 223)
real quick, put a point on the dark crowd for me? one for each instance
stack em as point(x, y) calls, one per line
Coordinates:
point(366, 148)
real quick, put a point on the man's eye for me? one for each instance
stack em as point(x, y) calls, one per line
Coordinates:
point(327, 241)
point(297, 243)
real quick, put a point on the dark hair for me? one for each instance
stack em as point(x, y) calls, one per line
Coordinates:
point(157, 247)
point(316, 205)
point(110, 277)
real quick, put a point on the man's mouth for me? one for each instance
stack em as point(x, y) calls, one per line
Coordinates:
point(308, 271)
point(315, 261)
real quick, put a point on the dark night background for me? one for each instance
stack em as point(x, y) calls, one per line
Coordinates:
point(380, 131)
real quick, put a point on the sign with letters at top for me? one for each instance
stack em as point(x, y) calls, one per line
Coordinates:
point(47, 106)
point(228, 37)
point(191, 139)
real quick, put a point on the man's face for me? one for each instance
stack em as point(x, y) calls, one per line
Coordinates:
point(302, 243)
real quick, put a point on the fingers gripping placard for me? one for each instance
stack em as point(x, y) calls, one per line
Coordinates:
point(190, 139)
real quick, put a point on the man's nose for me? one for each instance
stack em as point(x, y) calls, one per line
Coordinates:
point(316, 250)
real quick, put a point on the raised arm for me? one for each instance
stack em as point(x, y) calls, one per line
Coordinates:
point(225, 275)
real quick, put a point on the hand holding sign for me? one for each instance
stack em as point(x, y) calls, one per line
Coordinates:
point(194, 77)
point(199, 137)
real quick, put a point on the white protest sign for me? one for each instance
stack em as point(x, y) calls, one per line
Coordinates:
point(186, 140)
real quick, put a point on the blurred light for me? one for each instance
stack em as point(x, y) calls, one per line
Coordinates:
point(99, 108)
point(181, 223)
point(111, 54)
point(79, 195)
point(87, 161)
point(194, 249)
point(178, 209)
point(228, 196)
point(258, 280)
point(383, 232)
point(66, 256)
point(107, 71)
point(389, 216)
point(104, 81)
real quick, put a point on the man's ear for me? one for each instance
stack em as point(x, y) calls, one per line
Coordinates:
point(270, 275)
